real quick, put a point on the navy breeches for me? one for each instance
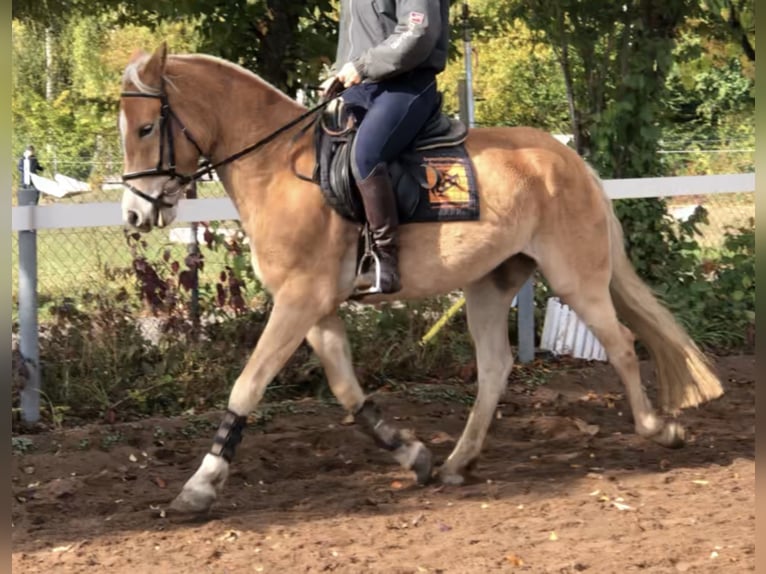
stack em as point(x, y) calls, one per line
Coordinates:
point(390, 114)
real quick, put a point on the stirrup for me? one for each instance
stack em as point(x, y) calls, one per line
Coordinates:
point(374, 289)
point(369, 257)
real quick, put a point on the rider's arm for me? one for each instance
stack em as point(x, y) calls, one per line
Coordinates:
point(417, 31)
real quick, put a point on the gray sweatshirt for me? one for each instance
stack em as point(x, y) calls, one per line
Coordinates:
point(385, 38)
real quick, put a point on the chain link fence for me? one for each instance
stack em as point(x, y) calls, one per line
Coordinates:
point(71, 261)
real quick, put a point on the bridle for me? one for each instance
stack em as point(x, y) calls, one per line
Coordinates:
point(167, 117)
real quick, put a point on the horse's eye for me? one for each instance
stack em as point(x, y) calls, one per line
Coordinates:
point(144, 131)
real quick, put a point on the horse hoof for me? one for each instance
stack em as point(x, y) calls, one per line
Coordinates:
point(672, 435)
point(451, 478)
point(193, 501)
point(423, 464)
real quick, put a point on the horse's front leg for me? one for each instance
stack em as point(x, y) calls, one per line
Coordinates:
point(330, 342)
point(295, 311)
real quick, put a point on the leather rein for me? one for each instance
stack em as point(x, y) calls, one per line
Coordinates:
point(167, 117)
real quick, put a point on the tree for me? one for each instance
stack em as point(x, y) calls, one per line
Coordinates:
point(285, 42)
point(74, 127)
point(516, 78)
point(736, 19)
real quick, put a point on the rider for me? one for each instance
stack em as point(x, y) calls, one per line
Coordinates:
point(389, 53)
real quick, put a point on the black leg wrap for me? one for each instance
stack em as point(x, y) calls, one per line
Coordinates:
point(371, 420)
point(228, 435)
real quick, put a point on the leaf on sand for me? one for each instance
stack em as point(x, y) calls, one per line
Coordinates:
point(621, 506)
point(701, 482)
point(514, 559)
point(583, 427)
point(397, 485)
point(229, 536)
point(553, 536)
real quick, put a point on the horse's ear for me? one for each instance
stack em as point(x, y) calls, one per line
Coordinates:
point(137, 55)
point(155, 67)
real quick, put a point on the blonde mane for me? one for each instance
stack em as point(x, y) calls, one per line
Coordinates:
point(132, 75)
point(133, 72)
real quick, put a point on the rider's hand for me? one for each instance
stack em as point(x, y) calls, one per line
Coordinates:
point(349, 75)
point(326, 85)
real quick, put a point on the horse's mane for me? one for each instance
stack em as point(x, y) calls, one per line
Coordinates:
point(132, 75)
point(133, 72)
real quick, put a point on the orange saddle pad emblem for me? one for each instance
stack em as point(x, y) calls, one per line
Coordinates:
point(447, 180)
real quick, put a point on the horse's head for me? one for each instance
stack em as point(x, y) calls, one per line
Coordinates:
point(159, 153)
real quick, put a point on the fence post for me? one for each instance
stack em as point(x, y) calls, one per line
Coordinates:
point(28, 336)
point(526, 321)
point(193, 250)
point(468, 118)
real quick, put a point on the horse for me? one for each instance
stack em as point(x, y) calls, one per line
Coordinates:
point(542, 208)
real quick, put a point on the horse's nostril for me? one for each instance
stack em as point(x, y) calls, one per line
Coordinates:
point(133, 218)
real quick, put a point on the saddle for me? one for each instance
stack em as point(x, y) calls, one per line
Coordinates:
point(433, 178)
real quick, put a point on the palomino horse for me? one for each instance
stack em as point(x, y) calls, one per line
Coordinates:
point(541, 206)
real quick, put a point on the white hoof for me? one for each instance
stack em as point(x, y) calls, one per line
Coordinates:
point(194, 500)
point(672, 435)
point(201, 490)
point(450, 478)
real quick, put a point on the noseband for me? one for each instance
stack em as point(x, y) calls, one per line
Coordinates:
point(167, 117)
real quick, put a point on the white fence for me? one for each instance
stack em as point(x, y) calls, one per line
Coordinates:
point(65, 216)
point(27, 219)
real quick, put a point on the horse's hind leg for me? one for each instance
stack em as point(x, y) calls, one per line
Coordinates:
point(487, 304)
point(586, 290)
point(330, 342)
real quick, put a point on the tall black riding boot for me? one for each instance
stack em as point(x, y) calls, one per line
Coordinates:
point(383, 219)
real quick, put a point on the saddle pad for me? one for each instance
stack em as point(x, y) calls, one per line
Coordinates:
point(445, 183)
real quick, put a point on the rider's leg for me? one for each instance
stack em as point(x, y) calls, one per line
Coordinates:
point(397, 113)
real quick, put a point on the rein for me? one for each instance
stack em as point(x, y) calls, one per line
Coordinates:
point(166, 134)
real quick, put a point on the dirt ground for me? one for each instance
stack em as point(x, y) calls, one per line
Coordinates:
point(564, 486)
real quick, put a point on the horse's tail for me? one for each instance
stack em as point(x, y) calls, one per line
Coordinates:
point(683, 373)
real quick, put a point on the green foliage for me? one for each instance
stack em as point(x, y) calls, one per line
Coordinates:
point(710, 107)
point(733, 20)
point(21, 445)
point(711, 292)
point(728, 281)
point(660, 247)
point(285, 42)
point(68, 108)
point(516, 81)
